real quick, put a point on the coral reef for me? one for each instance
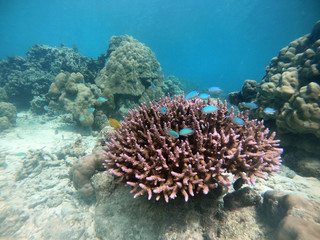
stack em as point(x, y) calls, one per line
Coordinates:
point(24, 78)
point(291, 87)
point(130, 76)
point(296, 217)
point(151, 161)
point(247, 93)
point(71, 94)
point(8, 115)
point(83, 170)
point(121, 90)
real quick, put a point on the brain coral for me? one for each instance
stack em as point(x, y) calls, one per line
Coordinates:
point(153, 162)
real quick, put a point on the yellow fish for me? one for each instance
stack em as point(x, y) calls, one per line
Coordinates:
point(114, 123)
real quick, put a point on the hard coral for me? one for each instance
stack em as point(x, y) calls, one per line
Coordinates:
point(150, 160)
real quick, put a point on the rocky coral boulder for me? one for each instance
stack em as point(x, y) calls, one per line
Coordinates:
point(291, 87)
point(71, 94)
point(130, 75)
point(296, 217)
point(8, 115)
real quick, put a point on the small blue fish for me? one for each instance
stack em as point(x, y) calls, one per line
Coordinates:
point(153, 85)
point(102, 99)
point(238, 121)
point(46, 107)
point(269, 111)
point(21, 154)
point(90, 110)
point(192, 94)
point(172, 133)
point(41, 99)
point(186, 132)
point(214, 90)
point(250, 105)
point(81, 118)
point(204, 96)
point(163, 110)
point(209, 109)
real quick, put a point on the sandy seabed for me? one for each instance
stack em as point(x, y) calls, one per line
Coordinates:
point(37, 198)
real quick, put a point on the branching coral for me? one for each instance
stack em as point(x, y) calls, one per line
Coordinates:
point(151, 161)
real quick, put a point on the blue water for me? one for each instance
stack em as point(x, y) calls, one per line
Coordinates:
point(208, 42)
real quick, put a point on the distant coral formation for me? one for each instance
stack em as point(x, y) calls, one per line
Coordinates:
point(70, 93)
point(291, 87)
point(8, 112)
point(161, 164)
point(25, 78)
point(8, 115)
point(130, 77)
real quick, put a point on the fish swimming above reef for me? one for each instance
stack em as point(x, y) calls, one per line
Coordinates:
point(90, 110)
point(249, 105)
point(172, 133)
point(238, 121)
point(192, 94)
point(214, 89)
point(204, 96)
point(102, 99)
point(269, 111)
point(163, 110)
point(186, 132)
point(114, 123)
point(209, 109)
point(153, 85)
point(82, 118)
point(46, 107)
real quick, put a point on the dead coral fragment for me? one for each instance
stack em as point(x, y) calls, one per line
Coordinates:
point(153, 162)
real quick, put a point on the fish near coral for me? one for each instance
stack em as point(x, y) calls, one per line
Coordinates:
point(90, 110)
point(153, 159)
point(204, 96)
point(163, 110)
point(209, 109)
point(102, 99)
point(114, 123)
point(238, 121)
point(269, 111)
point(249, 105)
point(172, 133)
point(192, 94)
point(186, 132)
point(214, 89)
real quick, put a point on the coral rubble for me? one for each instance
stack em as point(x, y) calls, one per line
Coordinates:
point(153, 162)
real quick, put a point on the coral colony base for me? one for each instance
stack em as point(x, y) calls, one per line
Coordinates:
point(148, 157)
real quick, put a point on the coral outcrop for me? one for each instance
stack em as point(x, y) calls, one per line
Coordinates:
point(8, 115)
point(83, 170)
point(291, 87)
point(24, 78)
point(131, 75)
point(161, 164)
point(70, 93)
point(296, 217)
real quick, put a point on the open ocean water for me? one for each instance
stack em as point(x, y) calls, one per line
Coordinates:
point(175, 101)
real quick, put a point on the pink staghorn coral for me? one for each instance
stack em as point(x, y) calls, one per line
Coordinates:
point(153, 162)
